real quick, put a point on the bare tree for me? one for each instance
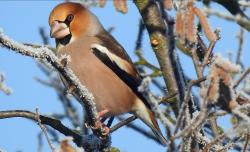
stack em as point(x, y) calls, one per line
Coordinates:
point(190, 119)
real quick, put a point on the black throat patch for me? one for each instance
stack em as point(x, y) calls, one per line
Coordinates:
point(64, 41)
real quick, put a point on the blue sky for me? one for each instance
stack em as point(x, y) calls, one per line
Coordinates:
point(20, 21)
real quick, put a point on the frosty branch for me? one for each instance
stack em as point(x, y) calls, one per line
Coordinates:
point(46, 56)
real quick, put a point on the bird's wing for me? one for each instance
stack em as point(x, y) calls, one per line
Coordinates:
point(115, 57)
point(118, 52)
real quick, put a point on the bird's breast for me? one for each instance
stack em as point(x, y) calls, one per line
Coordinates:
point(109, 90)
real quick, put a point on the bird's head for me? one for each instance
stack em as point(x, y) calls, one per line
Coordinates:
point(68, 21)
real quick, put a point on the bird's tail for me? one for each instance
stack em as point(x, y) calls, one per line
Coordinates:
point(155, 128)
point(147, 116)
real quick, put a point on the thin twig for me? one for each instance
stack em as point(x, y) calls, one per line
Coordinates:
point(242, 77)
point(244, 3)
point(168, 97)
point(240, 36)
point(197, 65)
point(44, 130)
point(241, 20)
point(208, 53)
point(40, 142)
point(186, 99)
point(122, 123)
point(205, 141)
point(44, 36)
point(140, 130)
point(70, 110)
point(214, 142)
point(214, 126)
point(141, 29)
point(3, 87)
point(246, 143)
point(194, 124)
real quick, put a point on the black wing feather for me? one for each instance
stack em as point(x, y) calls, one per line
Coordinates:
point(131, 81)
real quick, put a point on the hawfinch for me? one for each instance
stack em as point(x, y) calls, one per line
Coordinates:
point(100, 63)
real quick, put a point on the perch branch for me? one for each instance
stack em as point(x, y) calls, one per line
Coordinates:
point(45, 55)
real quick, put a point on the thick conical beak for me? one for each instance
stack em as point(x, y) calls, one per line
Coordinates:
point(59, 30)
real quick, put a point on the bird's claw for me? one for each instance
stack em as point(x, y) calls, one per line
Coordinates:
point(101, 129)
point(102, 113)
point(99, 126)
point(105, 130)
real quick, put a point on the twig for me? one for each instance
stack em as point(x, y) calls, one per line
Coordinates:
point(44, 130)
point(197, 65)
point(214, 142)
point(143, 61)
point(208, 53)
point(246, 143)
point(244, 3)
point(186, 146)
point(243, 21)
point(243, 76)
point(168, 97)
point(154, 103)
point(70, 110)
point(240, 36)
point(40, 46)
point(214, 126)
point(159, 86)
point(227, 147)
point(139, 36)
point(40, 142)
point(44, 36)
point(205, 141)
point(122, 123)
point(194, 124)
point(186, 99)
point(54, 123)
point(3, 87)
point(140, 130)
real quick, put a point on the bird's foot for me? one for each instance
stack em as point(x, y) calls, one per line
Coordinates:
point(102, 114)
point(99, 124)
point(101, 129)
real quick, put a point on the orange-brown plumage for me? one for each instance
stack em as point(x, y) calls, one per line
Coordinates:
point(100, 63)
point(61, 11)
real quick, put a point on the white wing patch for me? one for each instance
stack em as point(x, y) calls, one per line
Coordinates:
point(114, 58)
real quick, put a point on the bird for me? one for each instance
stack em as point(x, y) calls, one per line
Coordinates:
point(100, 63)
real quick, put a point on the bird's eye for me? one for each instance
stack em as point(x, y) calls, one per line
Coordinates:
point(70, 17)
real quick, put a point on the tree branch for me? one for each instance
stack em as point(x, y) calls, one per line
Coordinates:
point(157, 30)
point(241, 20)
point(46, 56)
point(54, 123)
point(160, 43)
